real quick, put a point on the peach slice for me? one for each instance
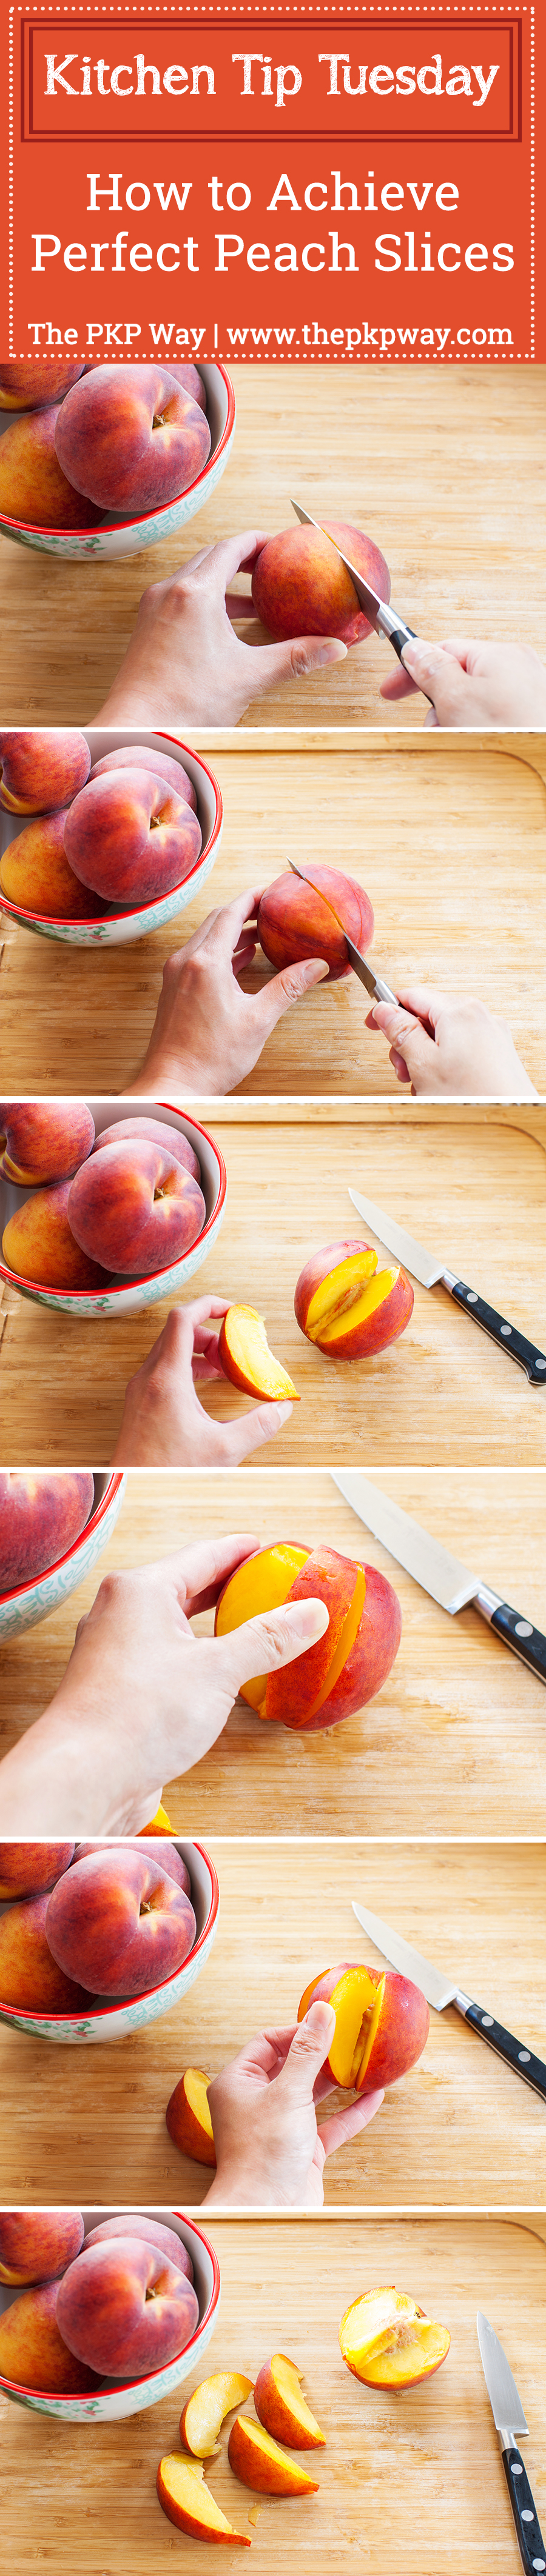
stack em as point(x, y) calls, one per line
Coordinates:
point(342, 1585)
point(348, 1307)
point(159, 1824)
point(204, 2413)
point(188, 2502)
point(382, 2024)
point(349, 1663)
point(262, 1583)
point(281, 2408)
point(188, 2117)
point(246, 1358)
point(259, 2463)
point(389, 2342)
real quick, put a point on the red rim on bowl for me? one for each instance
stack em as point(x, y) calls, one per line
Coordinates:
point(14, 2012)
point(18, 1590)
point(38, 1287)
point(58, 920)
point(28, 529)
point(118, 2387)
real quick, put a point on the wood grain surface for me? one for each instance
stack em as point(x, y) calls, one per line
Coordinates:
point(450, 848)
point(460, 2129)
point(449, 481)
point(454, 1744)
point(412, 2481)
point(471, 1184)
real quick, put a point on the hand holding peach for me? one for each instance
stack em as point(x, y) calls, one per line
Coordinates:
point(355, 1653)
point(297, 920)
point(263, 2109)
point(381, 2028)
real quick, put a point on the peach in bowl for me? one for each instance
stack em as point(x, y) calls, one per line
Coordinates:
point(132, 1224)
point(140, 2279)
point(54, 1524)
point(104, 835)
point(65, 1949)
point(155, 441)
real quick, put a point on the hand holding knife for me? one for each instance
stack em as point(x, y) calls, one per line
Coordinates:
point(386, 620)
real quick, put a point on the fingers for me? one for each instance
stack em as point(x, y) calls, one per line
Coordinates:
point(307, 2052)
point(438, 673)
point(250, 1432)
point(265, 1644)
point(278, 995)
point(231, 555)
point(198, 1572)
point(346, 2124)
point(293, 660)
point(408, 1041)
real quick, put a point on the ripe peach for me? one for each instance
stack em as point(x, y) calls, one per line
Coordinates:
point(131, 438)
point(35, 874)
point(123, 2309)
point(301, 587)
point(205, 2411)
point(42, 1511)
point(119, 1922)
point(32, 2351)
point(349, 1307)
point(31, 1980)
point(382, 2024)
point(26, 384)
point(191, 380)
point(349, 1663)
point(154, 1132)
point(135, 1208)
point(35, 2244)
point(164, 1852)
point(257, 2460)
point(388, 2342)
point(27, 1869)
point(281, 2407)
point(43, 1140)
point(187, 2501)
point(38, 1243)
point(246, 1358)
point(134, 755)
point(188, 2117)
point(150, 2231)
point(41, 770)
point(297, 920)
point(130, 838)
point(33, 488)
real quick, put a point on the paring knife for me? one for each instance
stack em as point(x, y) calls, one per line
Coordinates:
point(444, 1576)
point(375, 984)
point(439, 1992)
point(509, 2419)
point(426, 1267)
point(386, 620)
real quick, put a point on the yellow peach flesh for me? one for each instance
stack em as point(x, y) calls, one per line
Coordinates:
point(357, 2006)
point(182, 2482)
point(261, 1584)
point(343, 1294)
point(211, 2402)
point(286, 2377)
point(387, 2340)
point(246, 1344)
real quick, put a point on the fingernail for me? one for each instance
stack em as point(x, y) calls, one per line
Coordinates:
point(319, 2019)
point(308, 1619)
point(282, 1411)
point(333, 651)
point(316, 969)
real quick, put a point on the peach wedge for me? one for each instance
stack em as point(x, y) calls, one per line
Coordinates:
point(188, 2502)
point(188, 2117)
point(388, 2342)
point(281, 2408)
point(205, 2410)
point(257, 2460)
point(246, 1358)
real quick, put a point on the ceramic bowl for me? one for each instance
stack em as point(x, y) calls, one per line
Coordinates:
point(29, 1602)
point(122, 1296)
point(108, 2405)
point(126, 535)
point(115, 2018)
point(114, 928)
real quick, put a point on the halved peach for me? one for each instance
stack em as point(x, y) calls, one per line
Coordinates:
point(188, 2502)
point(349, 1307)
point(388, 2342)
point(257, 2460)
point(243, 1349)
point(349, 1663)
point(204, 2411)
point(382, 2024)
point(281, 2407)
point(188, 2117)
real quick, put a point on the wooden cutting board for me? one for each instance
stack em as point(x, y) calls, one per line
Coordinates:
point(470, 1183)
point(444, 468)
point(411, 2481)
point(459, 2128)
point(450, 847)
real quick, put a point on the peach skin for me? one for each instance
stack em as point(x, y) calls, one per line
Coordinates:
point(38, 1243)
point(120, 1922)
point(382, 2024)
point(191, 380)
point(301, 587)
point(352, 1658)
point(42, 1511)
point(187, 2501)
point(25, 385)
point(188, 2117)
point(259, 2463)
point(281, 2408)
point(388, 2342)
point(35, 874)
point(135, 1208)
point(154, 1133)
point(32, 2351)
point(31, 1980)
point(39, 771)
point(124, 2309)
point(149, 2231)
point(36, 2244)
point(348, 1307)
point(205, 2411)
point(159, 1849)
point(28, 1869)
point(33, 487)
point(297, 920)
point(131, 438)
point(43, 1140)
point(136, 754)
point(246, 1359)
point(129, 837)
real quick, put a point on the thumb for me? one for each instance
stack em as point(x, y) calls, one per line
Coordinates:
point(307, 2052)
point(263, 1645)
point(406, 1035)
point(439, 675)
point(289, 987)
point(293, 660)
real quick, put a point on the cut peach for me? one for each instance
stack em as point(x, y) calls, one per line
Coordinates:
point(257, 2460)
point(262, 1583)
point(281, 2407)
point(188, 2502)
point(382, 2024)
point(188, 2117)
point(160, 1824)
point(349, 1663)
point(342, 1585)
point(205, 2410)
point(348, 1307)
point(246, 1358)
point(389, 2342)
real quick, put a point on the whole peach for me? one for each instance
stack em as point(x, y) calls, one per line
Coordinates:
point(123, 2309)
point(35, 875)
point(41, 770)
point(296, 920)
point(135, 1208)
point(131, 438)
point(43, 1140)
point(25, 385)
point(300, 585)
point(150, 2231)
point(35, 2244)
point(33, 488)
point(120, 1922)
point(191, 380)
point(159, 1848)
point(32, 2351)
point(135, 756)
point(38, 1243)
point(27, 1869)
point(43, 1510)
point(154, 1132)
point(30, 1978)
point(130, 838)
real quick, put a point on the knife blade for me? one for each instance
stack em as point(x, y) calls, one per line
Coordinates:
point(509, 2421)
point(440, 1992)
point(386, 620)
point(442, 1575)
point(375, 984)
point(429, 1271)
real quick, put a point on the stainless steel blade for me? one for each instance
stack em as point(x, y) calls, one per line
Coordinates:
point(369, 599)
point(501, 2387)
point(375, 984)
point(409, 1962)
point(444, 1576)
point(402, 1245)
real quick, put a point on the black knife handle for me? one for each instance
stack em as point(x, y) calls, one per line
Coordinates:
point(507, 1336)
point(513, 2050)
point(401, 635)
point(519, 1633)
point(531, 2545)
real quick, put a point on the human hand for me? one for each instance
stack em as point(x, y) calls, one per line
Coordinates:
point(142, 1698)
point(164, 1424)
point(269, 2151)
point(473, 684)
point(207, 1033)
point(184, 664)
point(443, 1046)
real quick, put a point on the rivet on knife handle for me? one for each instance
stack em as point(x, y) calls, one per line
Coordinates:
point(531, 2544)
point(517, 1632)
point(507, 1335)
point(512, 2050)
